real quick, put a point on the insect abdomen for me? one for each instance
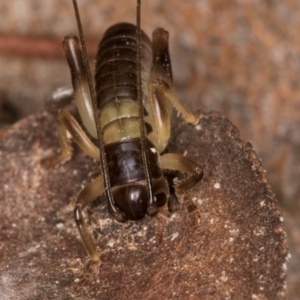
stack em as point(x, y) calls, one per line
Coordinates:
point(116, 80)
point(116, 92)
point(116, 66)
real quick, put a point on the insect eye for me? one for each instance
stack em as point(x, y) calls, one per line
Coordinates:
point(161, 199)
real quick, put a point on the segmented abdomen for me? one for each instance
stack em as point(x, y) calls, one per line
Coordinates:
point(116, 92)
point(116, 66)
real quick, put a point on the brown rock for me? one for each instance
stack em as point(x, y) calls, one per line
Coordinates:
point(225, 240)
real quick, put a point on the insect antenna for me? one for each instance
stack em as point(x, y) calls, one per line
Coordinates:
point(117, 214)
point(151, 207)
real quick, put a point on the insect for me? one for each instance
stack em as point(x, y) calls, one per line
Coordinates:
point(129, 112)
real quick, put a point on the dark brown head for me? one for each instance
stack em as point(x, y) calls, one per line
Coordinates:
point(132, 199)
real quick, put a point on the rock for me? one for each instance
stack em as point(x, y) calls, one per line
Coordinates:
point(225, 238)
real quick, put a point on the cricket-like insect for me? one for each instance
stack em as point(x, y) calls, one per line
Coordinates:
point(130, 114)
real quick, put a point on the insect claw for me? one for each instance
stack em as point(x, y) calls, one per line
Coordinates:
point(92, 271)
point(83, 282)
point(183, 184)
point(120, 216)
point(198, 114)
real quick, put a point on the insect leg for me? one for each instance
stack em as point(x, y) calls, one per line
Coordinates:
point(177, 162)
point(92, 190)
point(159, 86)
point(162, 109)
point(66, 123)
point(162, 98)
point(162, 94)
point(80, 84)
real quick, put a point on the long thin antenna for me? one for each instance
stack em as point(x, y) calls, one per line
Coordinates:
point(104, 168)
point(151, 207)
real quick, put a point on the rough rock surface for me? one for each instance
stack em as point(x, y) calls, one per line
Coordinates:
point(225, 240)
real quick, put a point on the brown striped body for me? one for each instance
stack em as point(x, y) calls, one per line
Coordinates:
point(116, 92)
point(116, 66)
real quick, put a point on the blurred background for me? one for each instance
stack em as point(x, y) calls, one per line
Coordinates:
point(241, 58)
